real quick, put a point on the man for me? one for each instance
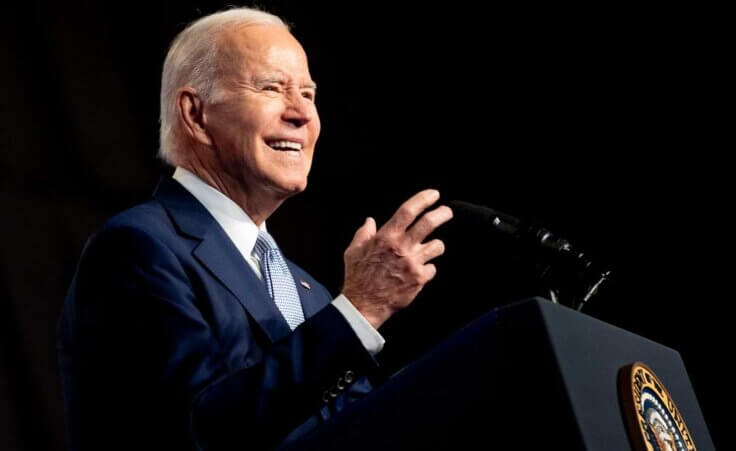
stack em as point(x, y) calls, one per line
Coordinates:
point(184, 326)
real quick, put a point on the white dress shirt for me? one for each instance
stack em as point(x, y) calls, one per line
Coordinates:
point(243, 232)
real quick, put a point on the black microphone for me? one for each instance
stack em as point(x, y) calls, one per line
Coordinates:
point(528, 234)
point(569, 274)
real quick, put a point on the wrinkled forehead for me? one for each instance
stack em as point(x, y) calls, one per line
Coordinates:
point(246, 51)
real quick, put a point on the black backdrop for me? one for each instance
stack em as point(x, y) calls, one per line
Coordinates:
point(599, 123)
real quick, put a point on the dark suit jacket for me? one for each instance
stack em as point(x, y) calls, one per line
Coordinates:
point(168, 340)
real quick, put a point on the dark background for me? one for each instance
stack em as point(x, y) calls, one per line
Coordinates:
point(600, 123)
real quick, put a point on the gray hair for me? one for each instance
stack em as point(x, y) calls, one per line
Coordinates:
point(192, 61)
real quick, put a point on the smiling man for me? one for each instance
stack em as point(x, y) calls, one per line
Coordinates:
point(185, 327)
point(254, 139)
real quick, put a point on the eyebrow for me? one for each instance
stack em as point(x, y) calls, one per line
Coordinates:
point(278, 78)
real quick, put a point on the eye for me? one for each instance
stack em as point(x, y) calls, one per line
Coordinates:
point(272, 88)
point(309, 95)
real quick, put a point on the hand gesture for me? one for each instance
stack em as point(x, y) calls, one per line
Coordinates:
point(386, 269)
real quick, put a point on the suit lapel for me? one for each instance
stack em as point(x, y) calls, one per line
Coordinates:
point(220, 256)
point(313, 299)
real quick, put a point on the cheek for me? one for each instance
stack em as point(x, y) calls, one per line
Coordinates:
point(316, 127)
point(233, 132)
point(264, 115)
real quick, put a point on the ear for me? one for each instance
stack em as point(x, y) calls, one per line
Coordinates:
point(191, 112)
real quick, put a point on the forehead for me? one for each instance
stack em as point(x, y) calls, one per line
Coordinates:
point(255, 49)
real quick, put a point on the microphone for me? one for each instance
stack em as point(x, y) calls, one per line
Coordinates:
point(506, 224)
point(569, 274)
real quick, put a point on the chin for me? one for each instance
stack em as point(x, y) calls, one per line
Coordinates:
point(291, 188)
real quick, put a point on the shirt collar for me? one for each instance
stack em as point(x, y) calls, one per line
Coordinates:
point(235, 222)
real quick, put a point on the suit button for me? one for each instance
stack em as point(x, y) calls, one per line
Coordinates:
point(340, 384)
point(334, 394)
point(326, 396)
point(349, 377)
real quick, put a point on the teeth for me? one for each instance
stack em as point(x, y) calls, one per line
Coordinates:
point(285, 145)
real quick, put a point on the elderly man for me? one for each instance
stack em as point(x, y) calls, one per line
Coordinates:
point(184, 326)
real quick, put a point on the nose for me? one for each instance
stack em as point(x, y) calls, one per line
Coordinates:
point(299, 111)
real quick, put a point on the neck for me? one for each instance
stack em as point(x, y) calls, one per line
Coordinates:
point(257, 205)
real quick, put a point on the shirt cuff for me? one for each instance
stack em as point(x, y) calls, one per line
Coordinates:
point(368, 335)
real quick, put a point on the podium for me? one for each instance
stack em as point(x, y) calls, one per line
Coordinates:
point(531, 375)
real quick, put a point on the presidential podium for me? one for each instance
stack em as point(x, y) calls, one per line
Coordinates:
point(530, 375)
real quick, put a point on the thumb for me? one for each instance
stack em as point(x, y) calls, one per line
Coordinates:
point(364, 233)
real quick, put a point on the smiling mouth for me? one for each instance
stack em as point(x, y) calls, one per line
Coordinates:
point(284, 145)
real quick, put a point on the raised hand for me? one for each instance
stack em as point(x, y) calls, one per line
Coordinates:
point(385, 269)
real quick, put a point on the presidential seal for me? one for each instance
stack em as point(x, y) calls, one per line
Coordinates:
point(650, 414)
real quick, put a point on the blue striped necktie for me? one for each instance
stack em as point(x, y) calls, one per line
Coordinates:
point(278, 279)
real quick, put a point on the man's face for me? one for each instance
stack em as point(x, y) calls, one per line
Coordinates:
point(264, 123)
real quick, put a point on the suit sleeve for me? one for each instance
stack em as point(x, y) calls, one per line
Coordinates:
point(148, 348)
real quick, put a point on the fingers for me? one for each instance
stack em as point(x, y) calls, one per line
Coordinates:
point(364, 233)
point(409, 210)
point(430, 250)
point(386, 269)
point(408, 213)
point(428, 223)
point(429, 271)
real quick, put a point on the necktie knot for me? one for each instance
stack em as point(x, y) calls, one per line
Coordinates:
point(277, 277)
point(264, 245)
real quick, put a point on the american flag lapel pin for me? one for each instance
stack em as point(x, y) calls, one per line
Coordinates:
point(305, 284)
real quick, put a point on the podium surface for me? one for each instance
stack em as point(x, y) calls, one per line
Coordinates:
point(529, 375)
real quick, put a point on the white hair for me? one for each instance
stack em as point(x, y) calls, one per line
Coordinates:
point(192, 61)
